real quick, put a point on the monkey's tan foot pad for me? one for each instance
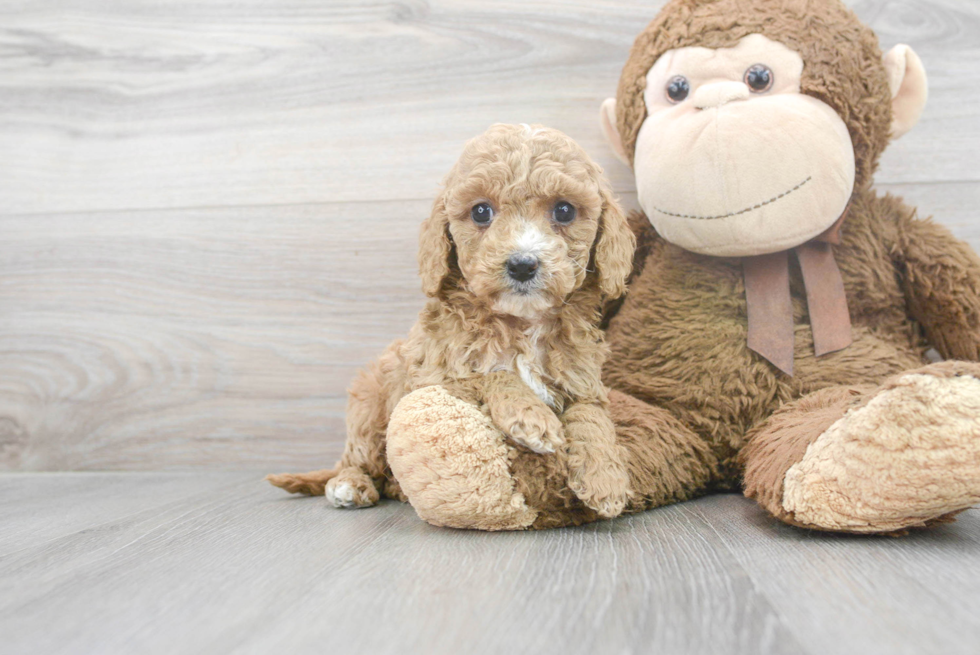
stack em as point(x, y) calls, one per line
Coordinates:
point(908, 456)
point(452, 464)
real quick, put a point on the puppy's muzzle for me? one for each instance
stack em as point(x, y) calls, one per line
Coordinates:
point(522, 268)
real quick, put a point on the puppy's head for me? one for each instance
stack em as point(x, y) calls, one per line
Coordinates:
point(525, 218)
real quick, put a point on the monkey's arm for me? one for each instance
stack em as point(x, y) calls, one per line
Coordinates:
point(941, 277)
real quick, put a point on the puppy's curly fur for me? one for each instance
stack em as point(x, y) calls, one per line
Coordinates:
point(528, 352)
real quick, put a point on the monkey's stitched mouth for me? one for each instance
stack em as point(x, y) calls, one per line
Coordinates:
point(738, 213)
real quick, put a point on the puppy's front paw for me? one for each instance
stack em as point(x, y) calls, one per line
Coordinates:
point(601, 485)
point(607, 497)
point(351, 488)
point(536, 427)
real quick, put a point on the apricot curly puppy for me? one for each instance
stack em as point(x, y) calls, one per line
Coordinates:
point(523, 246)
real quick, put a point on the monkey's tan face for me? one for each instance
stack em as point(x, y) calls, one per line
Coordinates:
point(523, 215)
point(732, 159)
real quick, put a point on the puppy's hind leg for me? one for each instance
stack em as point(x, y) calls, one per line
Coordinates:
point(362, 473)
point(343, 486)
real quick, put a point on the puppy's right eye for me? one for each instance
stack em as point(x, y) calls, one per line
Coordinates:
point(481, 213)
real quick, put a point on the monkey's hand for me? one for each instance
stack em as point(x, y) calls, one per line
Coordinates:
point(941, 276)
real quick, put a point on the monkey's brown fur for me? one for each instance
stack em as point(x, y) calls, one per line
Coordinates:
point(464, 342)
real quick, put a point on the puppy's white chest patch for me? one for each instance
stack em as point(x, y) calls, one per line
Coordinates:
point(533, 380)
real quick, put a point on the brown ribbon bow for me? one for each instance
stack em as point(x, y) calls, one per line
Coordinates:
point(770, 307)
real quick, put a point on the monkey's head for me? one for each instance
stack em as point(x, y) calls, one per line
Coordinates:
point(750, 123)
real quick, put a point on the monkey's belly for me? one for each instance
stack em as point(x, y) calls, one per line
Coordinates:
point(680, 342)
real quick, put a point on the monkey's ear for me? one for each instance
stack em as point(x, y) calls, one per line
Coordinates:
point(434, 248)
point(614, 248)
point(607, 121)
point(909, 86)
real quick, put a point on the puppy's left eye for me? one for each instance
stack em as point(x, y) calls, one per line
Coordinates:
point(564, 212)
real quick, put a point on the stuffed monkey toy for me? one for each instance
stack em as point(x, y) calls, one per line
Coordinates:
point(774, 337)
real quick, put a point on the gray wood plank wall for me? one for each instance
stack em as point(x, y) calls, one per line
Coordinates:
point(208, 210)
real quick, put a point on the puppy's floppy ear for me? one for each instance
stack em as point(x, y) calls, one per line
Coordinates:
point(614, 247)
point(435, 248)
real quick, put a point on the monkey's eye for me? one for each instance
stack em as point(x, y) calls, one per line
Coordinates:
point(564, 212)
point(482, 213)
point(759, 78)
point(677, 88)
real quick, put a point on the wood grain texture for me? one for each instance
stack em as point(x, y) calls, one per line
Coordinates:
point(196, 337)
point(231, 565)
point(916, 591)
point(209, 210)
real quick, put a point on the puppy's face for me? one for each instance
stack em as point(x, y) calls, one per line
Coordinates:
point(523, 207)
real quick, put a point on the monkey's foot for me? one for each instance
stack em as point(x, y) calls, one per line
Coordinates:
point(906, 455)
point(453, 464)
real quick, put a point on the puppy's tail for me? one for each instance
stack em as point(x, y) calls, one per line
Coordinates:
point(311, 484)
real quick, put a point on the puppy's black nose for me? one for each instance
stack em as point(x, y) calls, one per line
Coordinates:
point(522, 267)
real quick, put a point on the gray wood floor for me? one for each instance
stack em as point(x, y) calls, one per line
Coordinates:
point(188, 563)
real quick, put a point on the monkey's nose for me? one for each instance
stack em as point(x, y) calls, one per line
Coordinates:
point(716, 94)
point(522, 267)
